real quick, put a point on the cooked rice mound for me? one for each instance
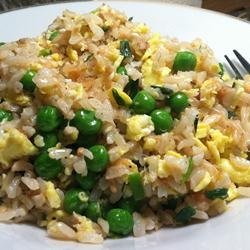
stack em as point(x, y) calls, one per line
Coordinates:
point(189, 172)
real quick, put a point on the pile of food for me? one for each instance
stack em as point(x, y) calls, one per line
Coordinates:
point(108, 129)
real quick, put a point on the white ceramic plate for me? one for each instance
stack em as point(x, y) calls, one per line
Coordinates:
point(229, 231)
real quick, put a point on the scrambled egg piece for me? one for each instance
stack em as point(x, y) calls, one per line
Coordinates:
point(121, 98)
point(14, 145)
point(199, 144)
point(239, 176)
point(76, 91)
point(164, 169)
point(232, 193)
point(52, 196)
point(36, 66)
point(58, 214)
point(202, 130)
point(203, 183)
point(149, 144)
point(139, 126)
point(150, 75)
point(208, 92)
point(72, 54)
point(218, 143)
point(221, 141)
point(141, 28)
point(22, 100)
point(56, 57)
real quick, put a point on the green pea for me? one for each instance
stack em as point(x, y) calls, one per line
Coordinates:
point(120, 221)
point(50, 140)
point(100, 159)
point(5, 115)
point(143, 103)
point(121, 70)
point(46, 167)
point(178, 102)
point(86, 141)
point(93, 211)
point(184, 61)
point(48, 118)
point(45, 52)
point(162, 120)
point(75, 200)
point(136, 186)
point(53, 35)
point(87, 182)
point(27, 81)
point(86, 122)
point(128, 204)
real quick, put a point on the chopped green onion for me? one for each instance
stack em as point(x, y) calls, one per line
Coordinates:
point(186, 176)
point(88, 57)
point(136, 185)
point(105, 28)
point(185, 214)
point(130, 19)
point(45, 52)
point(196, 120)
point(53, 35)
point(172, 202)
point(125, 49)
point(218, 193)
point(164, 91)
point(132, 88)
point(234, 84)
point(117, 97)
point(1, 44)
point(221, 73)
point(231, 114)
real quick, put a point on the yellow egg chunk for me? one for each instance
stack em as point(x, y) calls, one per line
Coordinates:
point(221, 141)
point(139, 126)
point(208, 93)
point(203, 183)
point(237, 175)
point(232, 193)
point(15, 145)
point(163, 169)
point(149, 144)
point(202, 130)
point(52, 196)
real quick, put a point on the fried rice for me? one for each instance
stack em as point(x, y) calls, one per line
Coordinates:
point(186, 173)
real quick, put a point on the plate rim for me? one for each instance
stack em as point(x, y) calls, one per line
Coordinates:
point(153, 2)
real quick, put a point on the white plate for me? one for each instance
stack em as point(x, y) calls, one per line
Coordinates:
point(229, 231)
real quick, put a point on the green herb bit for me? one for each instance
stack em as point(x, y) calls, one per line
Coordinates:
point(45, 52)
point(231, 114)
point(164, 90)
point(125, 49)
point(186, 176)
point(88, 57)
point(172, 202)
point(53, 35)
point(131, 19)
point(119, 100)
point(136, 185)
point(221, 72)
point(196, 120)
point(132, 88)
point(218, 193)
point(185, 214)
point(1, 44)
